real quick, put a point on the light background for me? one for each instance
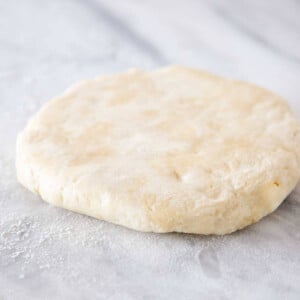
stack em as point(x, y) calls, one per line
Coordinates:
point(49, 253)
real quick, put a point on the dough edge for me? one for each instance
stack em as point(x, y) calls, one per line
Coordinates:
point(226, 217)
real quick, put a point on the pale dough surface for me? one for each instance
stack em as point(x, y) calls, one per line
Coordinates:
point(174, 149)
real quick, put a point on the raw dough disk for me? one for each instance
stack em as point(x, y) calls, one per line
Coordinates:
point(175, 149)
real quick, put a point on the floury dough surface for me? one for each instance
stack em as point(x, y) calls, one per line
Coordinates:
point(174, 149)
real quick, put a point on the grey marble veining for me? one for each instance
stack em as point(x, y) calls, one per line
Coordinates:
point(49, 253)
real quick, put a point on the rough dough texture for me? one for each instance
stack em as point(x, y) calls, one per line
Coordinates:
point(175, 149)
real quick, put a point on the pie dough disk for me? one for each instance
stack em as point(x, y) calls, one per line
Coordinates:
point(175, 149)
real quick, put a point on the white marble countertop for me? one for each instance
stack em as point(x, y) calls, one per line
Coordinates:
point(49, 253)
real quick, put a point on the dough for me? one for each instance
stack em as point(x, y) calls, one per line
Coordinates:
point(174, 149)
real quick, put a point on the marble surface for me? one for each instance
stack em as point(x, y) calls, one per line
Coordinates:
point(49, 253)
